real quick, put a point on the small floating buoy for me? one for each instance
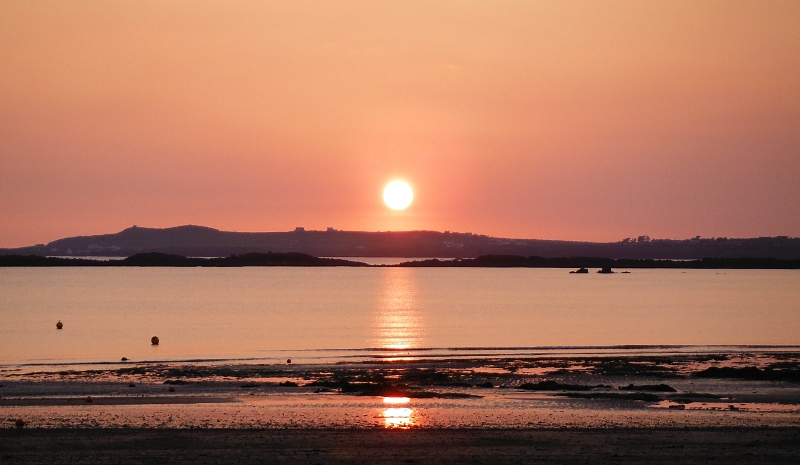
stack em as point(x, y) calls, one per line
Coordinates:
point(124, 359)
point(59, 325)
point(288, 360)
point(154, 340)
point(172, 389)
point(89, 399)
point(20, 423)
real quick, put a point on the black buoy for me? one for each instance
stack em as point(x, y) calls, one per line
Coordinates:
point(124, 359)
point(288, 360)
point(59, 325)
point(154, 340)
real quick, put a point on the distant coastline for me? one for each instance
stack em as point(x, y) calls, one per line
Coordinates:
point(487, 261)
point(200, 241)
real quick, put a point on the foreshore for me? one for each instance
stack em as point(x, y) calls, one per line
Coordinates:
point(656, 408)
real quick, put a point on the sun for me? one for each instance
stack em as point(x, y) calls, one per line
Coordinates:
point(398, 195)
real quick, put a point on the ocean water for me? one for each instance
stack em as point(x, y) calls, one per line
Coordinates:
point(324, 314)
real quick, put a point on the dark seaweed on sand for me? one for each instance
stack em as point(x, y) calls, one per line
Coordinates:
point(644, 396)
point(648, 387)
point(395, 390)
point(433, 377)
point(751, 373)
point(688, 397)
point(628, 367)
point(550, 385)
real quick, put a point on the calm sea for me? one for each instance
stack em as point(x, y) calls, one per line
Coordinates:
point(314, 314)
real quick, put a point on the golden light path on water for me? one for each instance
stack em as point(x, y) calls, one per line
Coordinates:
point(398, 318)
point(398, 326)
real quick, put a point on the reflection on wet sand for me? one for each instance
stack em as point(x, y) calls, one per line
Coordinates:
point(398, 417)
point(398, 319)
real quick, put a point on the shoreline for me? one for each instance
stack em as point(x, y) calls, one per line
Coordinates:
point(419, 355)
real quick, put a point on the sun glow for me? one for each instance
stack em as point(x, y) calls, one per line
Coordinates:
point(398, 195)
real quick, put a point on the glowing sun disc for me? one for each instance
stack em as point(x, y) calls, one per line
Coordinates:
point(398, 195)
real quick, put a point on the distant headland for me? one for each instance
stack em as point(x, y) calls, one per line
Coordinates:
point(200, 241)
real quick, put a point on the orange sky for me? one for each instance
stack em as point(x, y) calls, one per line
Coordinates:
point(562, 120)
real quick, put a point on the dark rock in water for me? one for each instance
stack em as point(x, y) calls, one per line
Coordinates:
point(124, 359)
point(677, 407)
point(131, 385)
point(648, 387)
point(20, 423)
point(288, 384)
point(605, 270)
point(487, 384)
point(580, 270)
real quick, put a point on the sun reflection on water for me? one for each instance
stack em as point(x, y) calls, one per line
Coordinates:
point(398, 321)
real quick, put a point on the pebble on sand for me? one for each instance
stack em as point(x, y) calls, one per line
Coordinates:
point(154, 340)
point(59, 325)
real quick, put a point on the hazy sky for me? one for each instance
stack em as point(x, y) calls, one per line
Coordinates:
point(564, 120)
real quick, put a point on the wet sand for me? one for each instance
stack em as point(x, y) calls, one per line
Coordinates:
point(428, 446)
point(625, 409)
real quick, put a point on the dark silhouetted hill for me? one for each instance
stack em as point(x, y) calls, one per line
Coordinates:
point(198, 241)
point(171, 260)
